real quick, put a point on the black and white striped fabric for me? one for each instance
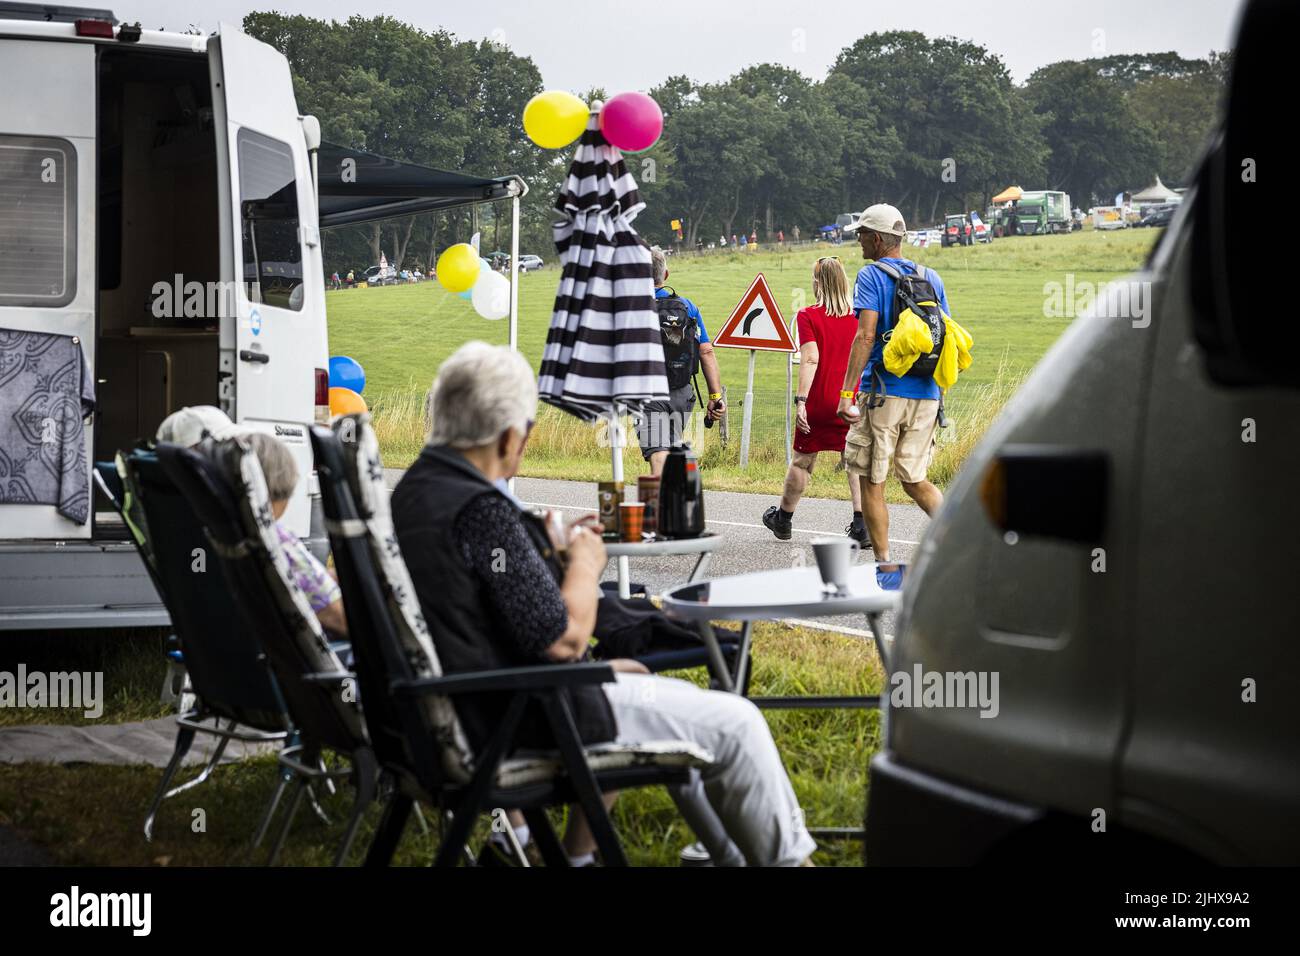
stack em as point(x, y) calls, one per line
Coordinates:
point(604, 345)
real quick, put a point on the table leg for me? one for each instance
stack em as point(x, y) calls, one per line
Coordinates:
point(873, 622)
point(624, 579)
point(701, 567)
point(719, 663)
point(742, 656)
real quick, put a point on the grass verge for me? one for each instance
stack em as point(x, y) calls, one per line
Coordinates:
point(86, 815)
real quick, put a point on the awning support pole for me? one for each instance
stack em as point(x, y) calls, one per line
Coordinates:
point(514, 272)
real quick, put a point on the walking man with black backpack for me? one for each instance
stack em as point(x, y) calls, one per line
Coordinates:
point(892, 418)
point(687, 350)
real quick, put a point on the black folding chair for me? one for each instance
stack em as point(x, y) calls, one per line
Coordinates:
point(409, 701)
point(227, 668)
point(223, 483)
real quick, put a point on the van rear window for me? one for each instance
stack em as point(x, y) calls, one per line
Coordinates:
point(268, 196)
point(38, 221)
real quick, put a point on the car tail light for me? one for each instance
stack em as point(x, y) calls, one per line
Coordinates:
point(100, 29)
point(322, 397)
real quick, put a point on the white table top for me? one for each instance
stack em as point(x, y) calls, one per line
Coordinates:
point(709, 541)
point(792, 592)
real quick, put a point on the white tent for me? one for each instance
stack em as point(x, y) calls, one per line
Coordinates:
point(1157, 192)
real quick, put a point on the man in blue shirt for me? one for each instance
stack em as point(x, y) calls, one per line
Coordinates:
point(662, 426)
point(899, 429)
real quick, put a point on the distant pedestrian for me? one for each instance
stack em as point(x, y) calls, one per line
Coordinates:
point(352, 279)
point(334, 281)
point(826, 332)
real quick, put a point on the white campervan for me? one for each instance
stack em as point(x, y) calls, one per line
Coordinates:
point(157, 206)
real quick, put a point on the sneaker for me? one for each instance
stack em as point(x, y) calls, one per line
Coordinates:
point(772, 520)
point(695, 855)
point(859, 534)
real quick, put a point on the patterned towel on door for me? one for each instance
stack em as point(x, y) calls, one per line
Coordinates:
point(46, 390)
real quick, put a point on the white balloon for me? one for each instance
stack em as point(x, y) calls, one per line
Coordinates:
point(491, 295)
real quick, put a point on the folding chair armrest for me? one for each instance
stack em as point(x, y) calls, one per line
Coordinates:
point(328, 677)
point(544, 677)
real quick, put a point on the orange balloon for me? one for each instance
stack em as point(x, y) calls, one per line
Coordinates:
point(344, 401)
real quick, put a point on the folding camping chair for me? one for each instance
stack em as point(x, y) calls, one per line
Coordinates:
point(223, 483)
point(227, 668)
point(410, 712)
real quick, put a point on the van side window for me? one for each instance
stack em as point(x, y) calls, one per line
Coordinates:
point(38, 221)
point(268, 195)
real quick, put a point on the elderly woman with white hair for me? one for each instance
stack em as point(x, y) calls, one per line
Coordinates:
point(492, 600)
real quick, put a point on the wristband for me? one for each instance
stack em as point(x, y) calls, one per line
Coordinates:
point(801, 398)
point(714, 396)
point(846, 393)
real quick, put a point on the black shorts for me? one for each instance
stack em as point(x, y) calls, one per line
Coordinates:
point(663, 424)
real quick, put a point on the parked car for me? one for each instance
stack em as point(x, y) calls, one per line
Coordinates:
point(529, 263)
point(378, 275)
point(1160, 215)
point(1120, 550)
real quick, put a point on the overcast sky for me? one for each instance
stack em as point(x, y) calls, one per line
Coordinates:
point(634, 44)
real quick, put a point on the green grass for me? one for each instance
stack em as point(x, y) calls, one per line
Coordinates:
point(131, 661)
point(86, 815)
point(400, 334)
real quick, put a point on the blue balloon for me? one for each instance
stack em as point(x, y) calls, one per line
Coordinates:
point(483, 266)
point(347, 372)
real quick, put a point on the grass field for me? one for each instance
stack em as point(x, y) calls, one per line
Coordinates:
point(91, 815)
point(400, 334)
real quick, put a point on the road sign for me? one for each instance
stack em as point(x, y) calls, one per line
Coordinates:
point(756, 324)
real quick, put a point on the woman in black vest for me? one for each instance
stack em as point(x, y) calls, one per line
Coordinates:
point(491, 600)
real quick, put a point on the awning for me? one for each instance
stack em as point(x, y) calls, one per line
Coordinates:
point(1008, 194)
point(356, 186)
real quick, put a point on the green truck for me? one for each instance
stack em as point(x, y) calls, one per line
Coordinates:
point(1035, 213)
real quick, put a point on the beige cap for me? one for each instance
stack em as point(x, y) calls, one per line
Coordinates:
point(881, 217)
point(192, 424)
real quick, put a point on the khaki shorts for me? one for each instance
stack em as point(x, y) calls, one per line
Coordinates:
point(901, 430)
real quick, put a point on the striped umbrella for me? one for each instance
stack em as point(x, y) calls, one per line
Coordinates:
point(604, 347)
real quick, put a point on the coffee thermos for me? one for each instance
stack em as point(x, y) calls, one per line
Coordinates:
point(681, 495)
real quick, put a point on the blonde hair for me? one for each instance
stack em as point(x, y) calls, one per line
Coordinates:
point(831, 287)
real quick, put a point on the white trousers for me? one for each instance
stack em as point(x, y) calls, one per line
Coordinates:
point(742, 807)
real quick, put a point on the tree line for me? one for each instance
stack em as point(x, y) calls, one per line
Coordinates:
point(931, 124)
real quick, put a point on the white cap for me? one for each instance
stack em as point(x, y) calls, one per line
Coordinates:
point(192, 424)
point(881, 217)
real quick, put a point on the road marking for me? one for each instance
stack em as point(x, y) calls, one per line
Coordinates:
point(734, 524)
point(834, 628)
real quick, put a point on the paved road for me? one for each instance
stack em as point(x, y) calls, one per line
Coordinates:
point(748, 546)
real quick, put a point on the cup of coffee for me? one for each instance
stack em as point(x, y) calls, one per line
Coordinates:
point(834, 558)
point(631, 516)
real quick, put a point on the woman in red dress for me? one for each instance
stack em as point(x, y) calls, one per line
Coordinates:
point(826, 332)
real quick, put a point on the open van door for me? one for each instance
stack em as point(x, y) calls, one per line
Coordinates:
point(47, 283)
point(273, 335)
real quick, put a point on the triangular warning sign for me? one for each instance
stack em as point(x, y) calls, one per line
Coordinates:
point(756, 323)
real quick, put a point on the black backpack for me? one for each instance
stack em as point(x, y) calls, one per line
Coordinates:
point(915, 292)
point(681, 337)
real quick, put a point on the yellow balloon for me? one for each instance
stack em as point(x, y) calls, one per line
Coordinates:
point(344, 401)
point(458, 267)
point(554, 119)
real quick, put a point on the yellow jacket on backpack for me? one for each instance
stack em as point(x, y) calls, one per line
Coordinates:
point(955, 355)
point(910, 339)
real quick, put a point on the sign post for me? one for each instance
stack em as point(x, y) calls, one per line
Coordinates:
point(756, 325)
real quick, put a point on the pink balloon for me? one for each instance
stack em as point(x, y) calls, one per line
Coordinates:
point(632, 121)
